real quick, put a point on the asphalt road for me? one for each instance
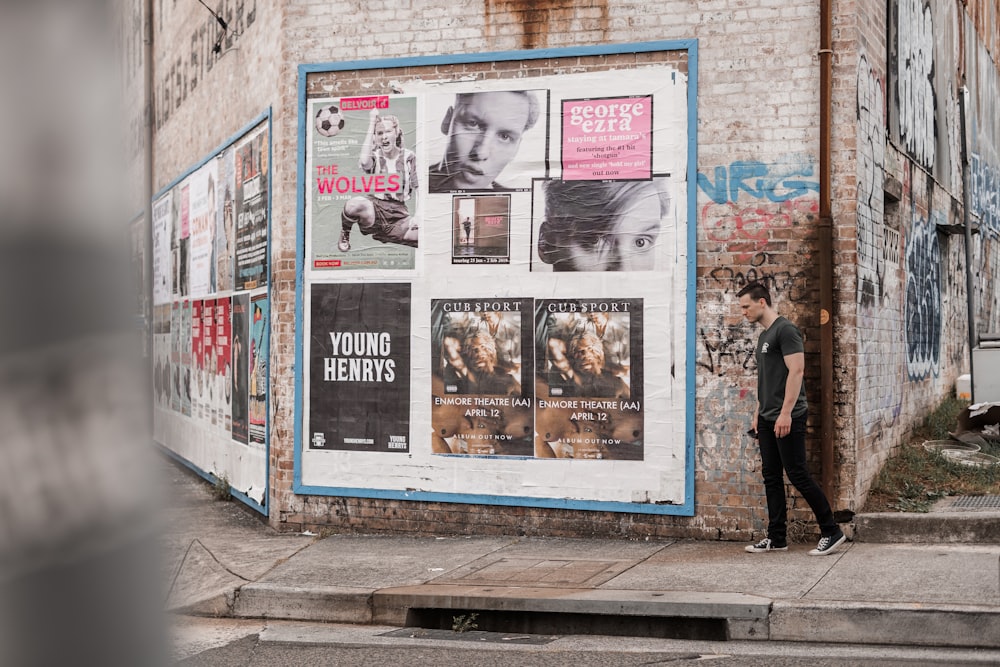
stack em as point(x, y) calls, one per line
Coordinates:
point(232, 643)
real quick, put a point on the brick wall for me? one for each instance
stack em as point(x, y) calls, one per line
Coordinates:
point(758, 140)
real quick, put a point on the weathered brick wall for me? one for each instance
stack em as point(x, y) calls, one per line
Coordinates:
point(757, 205)
point(757, 143)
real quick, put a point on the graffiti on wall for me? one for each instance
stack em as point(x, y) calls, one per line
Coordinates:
point(727, 346)
point(783, 181)
point(749, 200)
point(791, 283)
point(984, 194)
point(880, 344)
point(923, 300)
point(871, 176)
point(914, 94)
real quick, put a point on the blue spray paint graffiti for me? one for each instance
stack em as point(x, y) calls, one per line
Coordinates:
point(777, 182)
point(923, 300)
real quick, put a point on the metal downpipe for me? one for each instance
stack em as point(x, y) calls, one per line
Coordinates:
point(827, 460)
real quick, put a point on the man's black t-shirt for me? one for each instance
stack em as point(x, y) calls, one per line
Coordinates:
point(775, 343)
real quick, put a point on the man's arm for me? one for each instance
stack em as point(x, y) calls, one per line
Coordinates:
point(796, 363)
point(366, 160)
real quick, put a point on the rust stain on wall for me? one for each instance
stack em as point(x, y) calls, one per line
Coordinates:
point(537, 20)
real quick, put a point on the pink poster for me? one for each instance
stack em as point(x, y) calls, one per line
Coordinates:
point(607, 139)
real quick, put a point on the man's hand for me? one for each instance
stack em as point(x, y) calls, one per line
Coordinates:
point(783, 425)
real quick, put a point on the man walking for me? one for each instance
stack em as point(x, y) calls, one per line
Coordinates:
point(780, 424)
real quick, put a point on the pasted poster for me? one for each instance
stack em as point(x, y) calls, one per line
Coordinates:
point(182, 219)
point(601, 225)
point(161, 249)
point(251, 211)
point(259, 328)
point(176, 370)
point(240, 346)
point(185, 340)
point(197, 362)
point(223, 364)
point(607, 138)
point(162, 380)
point(480, 229)
point(225, 221)
point(208, 363)
point(590, 380)
point(486, 140)
point(363, 183)
point(482, 381)
point(359, 367)
point(203, 209)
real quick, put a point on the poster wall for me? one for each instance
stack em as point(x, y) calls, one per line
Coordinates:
point(211, 335)
point(528, 238)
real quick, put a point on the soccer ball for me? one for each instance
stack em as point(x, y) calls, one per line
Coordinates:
point(329, 120)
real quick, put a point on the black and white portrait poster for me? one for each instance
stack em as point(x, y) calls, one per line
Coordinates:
point(359, 367)
point(482, 380)
point(590, 378)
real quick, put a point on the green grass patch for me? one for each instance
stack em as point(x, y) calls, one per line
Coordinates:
point(913, 479)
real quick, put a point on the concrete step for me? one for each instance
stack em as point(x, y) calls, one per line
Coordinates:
point(936, 527)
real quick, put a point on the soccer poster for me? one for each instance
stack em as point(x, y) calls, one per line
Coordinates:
point(223, 364)
point(203, 209)
point(482, 380)
point(161, 249)
point(251, 168)
point(259, 334)
point(359, 367)
point(608, 138)
point(590, 378)
point(364, 176)
point(225, 221)
point(240, 347)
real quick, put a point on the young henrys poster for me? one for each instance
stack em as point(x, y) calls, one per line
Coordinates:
point(359, 367)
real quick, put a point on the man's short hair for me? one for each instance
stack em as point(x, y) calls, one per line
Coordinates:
point(533, 107)
point(756, 291)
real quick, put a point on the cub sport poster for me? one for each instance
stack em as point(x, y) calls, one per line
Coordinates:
point(359, 367)
point(482, 380)
point(590, 378)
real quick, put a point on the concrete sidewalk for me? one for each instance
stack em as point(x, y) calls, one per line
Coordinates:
point(222, 561)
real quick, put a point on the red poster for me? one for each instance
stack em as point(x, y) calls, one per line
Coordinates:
point(223, 364)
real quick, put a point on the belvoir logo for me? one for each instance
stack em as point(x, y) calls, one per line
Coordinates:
point(763, 348)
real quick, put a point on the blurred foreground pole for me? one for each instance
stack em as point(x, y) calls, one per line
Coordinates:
point(78, 578)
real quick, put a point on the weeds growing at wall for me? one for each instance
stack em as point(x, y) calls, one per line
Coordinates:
point(913, 479)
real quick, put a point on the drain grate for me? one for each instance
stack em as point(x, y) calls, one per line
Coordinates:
point(976, 502)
